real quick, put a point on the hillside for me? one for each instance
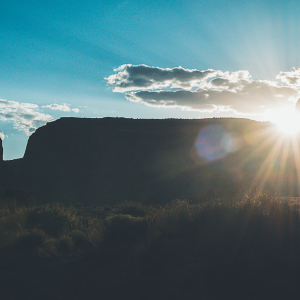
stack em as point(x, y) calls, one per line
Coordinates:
point(109, 160)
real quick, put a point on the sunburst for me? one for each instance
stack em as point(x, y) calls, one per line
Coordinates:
point(283, 158)
point(287, 120)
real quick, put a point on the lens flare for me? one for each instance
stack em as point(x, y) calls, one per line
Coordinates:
point(214, 142)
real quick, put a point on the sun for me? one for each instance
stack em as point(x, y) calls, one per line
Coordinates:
point(287, 120)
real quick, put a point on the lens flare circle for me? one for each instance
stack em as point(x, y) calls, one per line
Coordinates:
point(214, 142)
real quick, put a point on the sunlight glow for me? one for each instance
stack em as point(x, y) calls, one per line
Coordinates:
point(282, 162)
point(287, 120)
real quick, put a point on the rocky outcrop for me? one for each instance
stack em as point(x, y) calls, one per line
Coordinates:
point(104, 161)
point(1, 152)
point(1, 163)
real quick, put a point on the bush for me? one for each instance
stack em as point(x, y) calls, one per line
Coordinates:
point(64, 245)
point(174, 218)
point(134, 209)
point(30, 241)
point(14, 222)
point(124, 228)
point(78, 205)
point(49, 248)
point(54, 219)
point(81, 240)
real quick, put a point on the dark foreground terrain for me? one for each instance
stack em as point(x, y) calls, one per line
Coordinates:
point(89, 211)
point(246, 248)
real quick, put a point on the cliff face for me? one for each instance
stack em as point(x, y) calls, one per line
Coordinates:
point(1, 162)
point(1, 152)
point(102, 161)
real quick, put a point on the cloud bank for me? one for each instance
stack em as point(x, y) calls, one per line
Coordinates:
point(205, 91)
point(25, 116)
point(290, 78)
point(63, 107)
point(142, 77)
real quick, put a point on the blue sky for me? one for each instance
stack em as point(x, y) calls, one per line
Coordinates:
point(58, 59)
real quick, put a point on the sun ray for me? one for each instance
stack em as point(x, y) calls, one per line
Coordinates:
point(297, 161)
point(265, 137)
point(282, 167)
point(266, 169)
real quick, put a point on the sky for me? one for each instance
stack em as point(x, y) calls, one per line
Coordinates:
point(144, 59)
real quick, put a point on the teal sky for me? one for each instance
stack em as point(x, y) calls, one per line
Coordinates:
point(58, 59)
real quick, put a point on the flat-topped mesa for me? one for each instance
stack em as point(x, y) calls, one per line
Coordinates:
point(110, 160)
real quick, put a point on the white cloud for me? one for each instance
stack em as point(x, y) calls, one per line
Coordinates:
point(207, 91)
point(60, 107)
point(291, 78)
point(25, 116)
point(142, 77)
point(2, 136)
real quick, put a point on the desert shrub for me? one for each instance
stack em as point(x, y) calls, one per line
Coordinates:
point(174, 217)
point(107, 208)
point(49, 248)
point(53, 247)
point(94, 229)
point(12, 226)
point(54, 219)
point(124, 228)
point(134, 209)
point(78, 205)
point(64, 245)
point(14, 222)
point(100, 212)
point(217, 241)
point(53, 229)
point(30, 240)
point(81, 239)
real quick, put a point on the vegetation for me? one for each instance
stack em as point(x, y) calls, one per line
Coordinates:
point(245, 248)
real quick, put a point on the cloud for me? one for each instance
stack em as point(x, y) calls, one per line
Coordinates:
point(25, 116)
point(14, 104)
point(143, 77)
point(291, 78)
point(2, 136)
point(60, 107)
point(243, 97)
point(206, 91)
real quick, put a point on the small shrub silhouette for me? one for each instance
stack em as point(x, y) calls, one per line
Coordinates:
point(134, 209)
point(53, 247)
point(78, 205)
point(107, 208)
point(30, 241)
point(49, 248)
point(124, 228)
point(14, 222)
point(54, 219)
point(174, 218)
point(8, 198)
point(81, 240)
point(64, 245)
point(16, 198)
